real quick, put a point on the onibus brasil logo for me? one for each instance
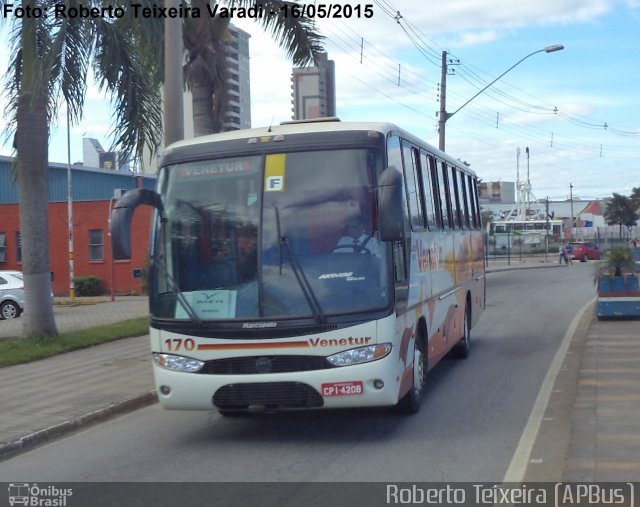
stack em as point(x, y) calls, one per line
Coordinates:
point(23, 493)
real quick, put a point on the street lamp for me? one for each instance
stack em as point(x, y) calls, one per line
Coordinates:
point(72, 293)
point(444, 116)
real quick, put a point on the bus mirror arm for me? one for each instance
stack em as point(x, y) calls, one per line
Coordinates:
point(122, 214)
point(390, 208)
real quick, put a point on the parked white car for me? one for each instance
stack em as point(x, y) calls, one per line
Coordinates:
point(11, 294)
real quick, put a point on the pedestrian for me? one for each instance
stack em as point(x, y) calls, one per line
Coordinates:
point(562, 254)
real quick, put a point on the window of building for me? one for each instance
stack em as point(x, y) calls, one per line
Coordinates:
point(3, 247)
point(96, 245)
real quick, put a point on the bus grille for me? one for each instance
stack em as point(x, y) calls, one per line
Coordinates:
point(268, 394)
point(264, 364)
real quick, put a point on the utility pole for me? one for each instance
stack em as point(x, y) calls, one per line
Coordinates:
point(571, 200)
point(528, 186)
point(546, 235)
point(173, 121)
point(72, 292)
point(442, 118)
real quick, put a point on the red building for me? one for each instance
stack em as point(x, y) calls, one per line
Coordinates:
point(92, 195)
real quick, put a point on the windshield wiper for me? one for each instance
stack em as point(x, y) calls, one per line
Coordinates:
point(307, 290)
point(298, 271)
point(156, 262)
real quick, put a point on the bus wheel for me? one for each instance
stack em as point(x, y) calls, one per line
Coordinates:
point(410, 402)
point(463, 347)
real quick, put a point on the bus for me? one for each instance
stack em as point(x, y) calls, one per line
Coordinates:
point(256, 301)
point(527, 232)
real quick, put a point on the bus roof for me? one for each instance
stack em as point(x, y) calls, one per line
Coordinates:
point(309, 127)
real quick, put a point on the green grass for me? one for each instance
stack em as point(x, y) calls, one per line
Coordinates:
point(24, 350)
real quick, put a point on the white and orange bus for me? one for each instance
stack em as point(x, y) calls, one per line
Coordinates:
point(307, 265)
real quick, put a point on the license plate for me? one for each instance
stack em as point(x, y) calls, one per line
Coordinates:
point(343, 388)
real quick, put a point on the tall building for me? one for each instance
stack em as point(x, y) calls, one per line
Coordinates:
point(314, 90)
point(497, 192)
point(238, 114)
point(93, 155)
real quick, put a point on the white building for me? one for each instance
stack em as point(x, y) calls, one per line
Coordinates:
point(313, 90)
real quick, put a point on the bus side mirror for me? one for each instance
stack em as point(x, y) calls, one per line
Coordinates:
point(390, 209)
point(122, 215)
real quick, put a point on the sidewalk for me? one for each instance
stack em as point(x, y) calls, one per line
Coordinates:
point(42, 399)
point(502, 263)
point(600, 379)
point(86, 312)
point(605, 441)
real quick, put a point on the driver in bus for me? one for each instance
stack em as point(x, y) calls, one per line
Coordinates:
point(357, 239)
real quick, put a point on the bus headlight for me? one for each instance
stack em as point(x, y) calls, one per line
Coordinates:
point(177, 363)
point(360, 355)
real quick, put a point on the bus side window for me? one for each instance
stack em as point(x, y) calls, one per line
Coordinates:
point(471, 198)
point(435, 191)
point(415, 194)
point(445, 198)
point(464, 200)
point(454, 192)
point(476, 204)
point(426, 164)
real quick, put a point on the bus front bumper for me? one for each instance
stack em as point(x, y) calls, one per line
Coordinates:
point(376, 383)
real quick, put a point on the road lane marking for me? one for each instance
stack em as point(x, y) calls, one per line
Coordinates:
point(518, 466)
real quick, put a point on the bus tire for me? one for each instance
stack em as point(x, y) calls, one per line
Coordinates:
point(410, 402)
point(462, 349)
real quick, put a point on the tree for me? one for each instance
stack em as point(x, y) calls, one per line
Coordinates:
point(205, 70)
point(635, 198)
point(620, 211)
point(50, 60)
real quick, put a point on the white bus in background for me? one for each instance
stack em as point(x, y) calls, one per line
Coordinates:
point(257, 299)
point(505, 233)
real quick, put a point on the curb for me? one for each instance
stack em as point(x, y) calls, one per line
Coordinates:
point(43, 436)
point(78, 302)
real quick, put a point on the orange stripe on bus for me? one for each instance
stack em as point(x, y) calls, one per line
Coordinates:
point(238, 346)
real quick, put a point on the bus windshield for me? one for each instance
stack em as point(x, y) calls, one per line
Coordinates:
point(286, 235)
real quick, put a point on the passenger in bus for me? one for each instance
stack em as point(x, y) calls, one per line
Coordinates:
point(357, 239)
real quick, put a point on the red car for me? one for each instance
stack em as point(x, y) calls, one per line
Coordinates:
point(584, 251)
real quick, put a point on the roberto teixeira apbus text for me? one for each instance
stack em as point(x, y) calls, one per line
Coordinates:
point(561, 493)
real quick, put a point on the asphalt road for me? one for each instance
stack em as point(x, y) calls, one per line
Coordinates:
point(471, 421)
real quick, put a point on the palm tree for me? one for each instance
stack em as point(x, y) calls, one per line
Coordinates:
point(51, 57)
point(205, 70)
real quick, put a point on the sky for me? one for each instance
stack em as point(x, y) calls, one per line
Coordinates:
point(568, 121)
